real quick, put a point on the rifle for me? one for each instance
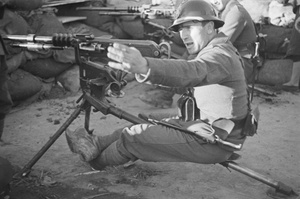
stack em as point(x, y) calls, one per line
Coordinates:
point(97, 81)
point(145, 12)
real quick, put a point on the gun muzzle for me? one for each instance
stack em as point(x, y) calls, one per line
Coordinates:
point(29, 38)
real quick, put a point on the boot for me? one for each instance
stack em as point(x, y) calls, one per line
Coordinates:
point(158, 98)
point(80, 142)
point(109, 157)
point(89, 146)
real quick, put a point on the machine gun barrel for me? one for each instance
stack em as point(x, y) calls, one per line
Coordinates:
point(28, 38)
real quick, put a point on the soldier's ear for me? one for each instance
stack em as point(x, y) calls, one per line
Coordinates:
point(210, 27)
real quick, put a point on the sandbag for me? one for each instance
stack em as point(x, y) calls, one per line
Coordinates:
point(275, 72)
point(277, 39)
point(93, 17)
point(22, 85)
point(13, 24)
point(81, 28)
point(70, 79)
point(132, 26)
point(45, 68)
point(15, 61)
point(24, 4)
point(45, 23)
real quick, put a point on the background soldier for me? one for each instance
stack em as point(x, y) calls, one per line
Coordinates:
point(6, 169)
point(293, 52)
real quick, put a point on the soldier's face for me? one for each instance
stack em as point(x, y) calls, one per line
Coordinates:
point(194, 35)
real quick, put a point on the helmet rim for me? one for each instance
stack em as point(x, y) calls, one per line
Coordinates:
point(195, 10)
point(175, 27)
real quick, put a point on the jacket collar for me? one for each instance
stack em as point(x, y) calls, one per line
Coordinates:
point(219, 38)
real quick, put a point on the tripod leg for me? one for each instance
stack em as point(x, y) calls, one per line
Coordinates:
point(87, 120)
point(26, 169)
point(279, 186)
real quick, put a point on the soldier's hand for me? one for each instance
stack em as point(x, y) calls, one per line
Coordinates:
point(127, 58)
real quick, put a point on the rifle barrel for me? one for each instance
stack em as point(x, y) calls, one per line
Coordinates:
point(102, 9)
point(119, 13)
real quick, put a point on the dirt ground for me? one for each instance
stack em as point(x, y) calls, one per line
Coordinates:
point(273, 153)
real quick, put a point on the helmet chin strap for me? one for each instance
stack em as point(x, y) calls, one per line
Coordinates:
point(2, 8)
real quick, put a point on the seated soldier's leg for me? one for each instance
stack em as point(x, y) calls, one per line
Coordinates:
point(155, 143)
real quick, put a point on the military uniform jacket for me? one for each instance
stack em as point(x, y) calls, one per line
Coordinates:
point(239, 27)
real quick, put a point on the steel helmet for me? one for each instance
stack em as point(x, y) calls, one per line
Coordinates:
point(195, 10)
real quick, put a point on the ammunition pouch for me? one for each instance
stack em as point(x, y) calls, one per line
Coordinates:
point(187, 107)
point(189, 112)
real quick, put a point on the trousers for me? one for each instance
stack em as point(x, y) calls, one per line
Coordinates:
point(156, 143)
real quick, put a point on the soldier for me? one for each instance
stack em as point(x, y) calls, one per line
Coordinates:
point(5, 99)
point(215, 84)
point(293, 52)
point(6, 170)
point(5, 28)
point(6, 174)
point(240, 29)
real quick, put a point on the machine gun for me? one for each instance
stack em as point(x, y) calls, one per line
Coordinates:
point(98, 81)
point(96, 77)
